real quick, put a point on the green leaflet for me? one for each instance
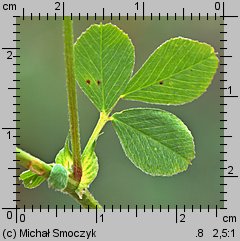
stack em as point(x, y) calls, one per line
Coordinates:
point(179, 71)
point(30, 179)
point(58, 178)
point(89, 170)
point(104, 59)
point(64, 156)
point(155, 141)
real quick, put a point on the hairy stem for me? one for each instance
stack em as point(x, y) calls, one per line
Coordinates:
point(43, 169)
point(72, 98)
point(32, 163)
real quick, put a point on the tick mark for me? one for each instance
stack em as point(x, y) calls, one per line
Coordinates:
point(161, 82)
point(88, 82)
point(98, 82)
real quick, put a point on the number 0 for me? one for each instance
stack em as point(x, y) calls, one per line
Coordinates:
point(9, 215)
point(22, 218)
point(217, 5)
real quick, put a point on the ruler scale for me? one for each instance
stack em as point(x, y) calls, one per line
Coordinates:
point(117, 221)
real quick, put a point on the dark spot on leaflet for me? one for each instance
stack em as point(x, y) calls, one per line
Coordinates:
point(161, 82)
point(98, 82)
point(88, 82)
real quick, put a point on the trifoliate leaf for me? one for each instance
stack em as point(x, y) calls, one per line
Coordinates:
point(30, 179)
point(156, 141)
point(179, 71)
point(104, 59)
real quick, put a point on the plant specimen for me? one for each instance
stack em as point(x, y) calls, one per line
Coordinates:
point(156, 141)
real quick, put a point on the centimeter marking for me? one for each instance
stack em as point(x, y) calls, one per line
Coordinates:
point(61, 8)
point(136, 17)
point(179, 212)
point(223, 119)
point(10, 130)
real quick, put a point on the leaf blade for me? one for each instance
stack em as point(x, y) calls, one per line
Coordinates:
point(151, 140)
point(64, 156)
point(104, 58)
point(90, 169)
point(31, 180)
point(179, 71)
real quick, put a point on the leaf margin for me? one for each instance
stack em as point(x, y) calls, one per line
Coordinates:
point(182, 123)
point(126, 93)
point(130, 74)
point(27, 178)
